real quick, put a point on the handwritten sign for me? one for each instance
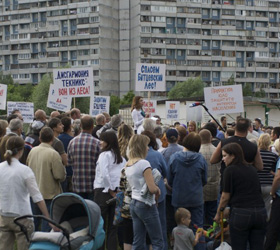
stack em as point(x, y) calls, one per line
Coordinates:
point(150, 77)
point(76, 82)
point(150, 107)
point(99, 104)
point(57, 102)
point(26, 109)
point(224, 99)
point(3, 96)
point(172, 110)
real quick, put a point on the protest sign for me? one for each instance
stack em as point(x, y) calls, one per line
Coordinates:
point(150, 107)
point(3, 96)
point(76, 82)
point(99, 104)
point(150, 77)
point(57, 102)
point(26, 109)
point(172, 110)
point(224, 99)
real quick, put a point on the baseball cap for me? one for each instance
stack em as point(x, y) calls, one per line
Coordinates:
point(171, 132)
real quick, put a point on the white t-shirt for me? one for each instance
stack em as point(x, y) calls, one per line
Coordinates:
point(135, 178)
point(17, 184)
point(107, 173)
point(137, 118)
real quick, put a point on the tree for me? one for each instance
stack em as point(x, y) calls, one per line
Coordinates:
point(193, 87)
point(247, 90)
point(230, 81)
point(260, 93)
point(114, 105)
point(41, 92)
point(16, 92)
point(127, 99)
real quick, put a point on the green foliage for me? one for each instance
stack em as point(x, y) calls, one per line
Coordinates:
point(261, 93)
point(41, 92)
point(193, 87)
point(230, 81)
point(16, 92)
point(127, 99)
point(82, 103)
point(114, 105)
point(247, 90)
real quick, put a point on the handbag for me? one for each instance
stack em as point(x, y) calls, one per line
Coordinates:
point(118, 219)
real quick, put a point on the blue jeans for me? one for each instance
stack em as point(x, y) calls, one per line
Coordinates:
point(247, 225)
point(273, 229)
point(36, 211)
point(162, 217)
point(145, 219)
point(197, 219)
point(210, 209)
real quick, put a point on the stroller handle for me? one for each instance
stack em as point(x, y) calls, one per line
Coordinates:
point(24, 230)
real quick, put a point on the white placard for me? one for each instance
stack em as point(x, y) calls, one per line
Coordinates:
point(224, 99)
point(99, 104)
point(172, 110)
point(150, 77)
point(3, 96)
point(194, 113)
point(150, 107)
point(26, 109)
point(76, 82)
point(57, 102)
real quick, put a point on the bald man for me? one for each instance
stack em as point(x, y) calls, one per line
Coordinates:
point(40, 115)
point(54, 114)
point(32, 138)
point(100, 122)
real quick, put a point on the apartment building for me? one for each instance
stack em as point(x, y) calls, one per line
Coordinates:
point(214, 39)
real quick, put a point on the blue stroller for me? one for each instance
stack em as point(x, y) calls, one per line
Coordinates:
point(80, 222)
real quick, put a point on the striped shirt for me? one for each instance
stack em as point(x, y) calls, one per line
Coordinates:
point(269, 163)
point(83, 152)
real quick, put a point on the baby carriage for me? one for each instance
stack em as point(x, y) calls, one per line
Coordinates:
point(80, 222)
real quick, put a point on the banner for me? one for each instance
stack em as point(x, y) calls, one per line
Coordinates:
point(99, 104)
point(26, 109)
point(150, 107)
point(224, 99)
point(76, 82)
point(150, 77)
point(172, 110)
point(56, 102)
point(3, 96)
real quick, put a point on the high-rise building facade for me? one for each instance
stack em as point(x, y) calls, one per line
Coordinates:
point(214, 39)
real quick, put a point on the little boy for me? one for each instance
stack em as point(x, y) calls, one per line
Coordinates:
point(182, 236)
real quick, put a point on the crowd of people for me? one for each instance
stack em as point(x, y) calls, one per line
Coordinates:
point(175, 179)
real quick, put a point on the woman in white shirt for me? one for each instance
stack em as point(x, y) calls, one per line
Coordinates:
point(17, 184)
point(145, 217)
point(137, 113)
point(106, 183)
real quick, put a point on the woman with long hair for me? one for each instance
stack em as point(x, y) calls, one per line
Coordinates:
point(124, 134)
point(145, 216)
point(242, 190)
point(157, 161)
point(192, 127)
point(107, 179)
point(17, 184)
point(137, 112)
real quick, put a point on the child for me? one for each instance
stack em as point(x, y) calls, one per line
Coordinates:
point(182, 236)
